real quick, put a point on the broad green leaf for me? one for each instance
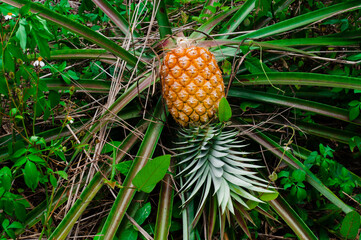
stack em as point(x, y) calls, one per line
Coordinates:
point(350, 225)
point(227, 67)
point(301, 194)
point(224, 110)
point(31, 175)
point(62, 174)
point(36, 159)
point(3, 85)
point(165, 27)
point(19, 152)
point(245, 105)
point(73, 75)
point(5, 223)
point(143, 213)
point(354, 103)
point(21, 33)
point(15, 225)
point(53, 180)
point(20, 211)
point(268, 196)
point(152, 173)
point(124, 167)
point(6, 178)
point(299, 175)
point(129, 234)
point(24, 9)
point(42, 43)
point(252, 204)
point(8, 61)
point(255, 65)
point(354, 113)
point(54, 98)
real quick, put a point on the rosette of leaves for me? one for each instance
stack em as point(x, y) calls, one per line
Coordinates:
point(213, 163)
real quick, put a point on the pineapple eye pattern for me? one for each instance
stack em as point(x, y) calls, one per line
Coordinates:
point(195, 76)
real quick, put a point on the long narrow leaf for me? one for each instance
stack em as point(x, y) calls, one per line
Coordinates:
point(302, 20)
point(162, 17)
point(118, 19)
point(126, 194)
point(320, 41)
point(315, 107)
point(292, 219)
point(165, 208)
point(298, 78)
point(92, 189)
point(211, 23)
point(237, 18)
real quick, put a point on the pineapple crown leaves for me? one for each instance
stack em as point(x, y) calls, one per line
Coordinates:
point(211, 166)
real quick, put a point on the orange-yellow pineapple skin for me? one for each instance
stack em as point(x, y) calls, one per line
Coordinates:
point(192, 84)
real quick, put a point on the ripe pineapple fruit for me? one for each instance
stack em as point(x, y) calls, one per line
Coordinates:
point(210, 156)
point(192, 84)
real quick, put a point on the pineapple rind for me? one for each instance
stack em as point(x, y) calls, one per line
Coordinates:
point(192, 84)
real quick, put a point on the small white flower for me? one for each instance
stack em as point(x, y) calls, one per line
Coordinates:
point(39, 62)
point(286, 148)
point(70, 119)
point(9, 16)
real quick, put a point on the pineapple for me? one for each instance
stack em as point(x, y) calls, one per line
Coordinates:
point(210, 159)
point(192, 84)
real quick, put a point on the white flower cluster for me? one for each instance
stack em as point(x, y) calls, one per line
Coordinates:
point(9, 16)
point(39, 62)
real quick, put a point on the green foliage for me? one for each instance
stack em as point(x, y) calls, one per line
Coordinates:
point(152, 173)
point(354, 109)
point(224, 110)
point(131, 231)
point(350, 225)
point(65, 121)
point(294, 181)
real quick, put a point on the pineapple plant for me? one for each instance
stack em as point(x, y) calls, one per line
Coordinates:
point(210, 156)
point(215, 167)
